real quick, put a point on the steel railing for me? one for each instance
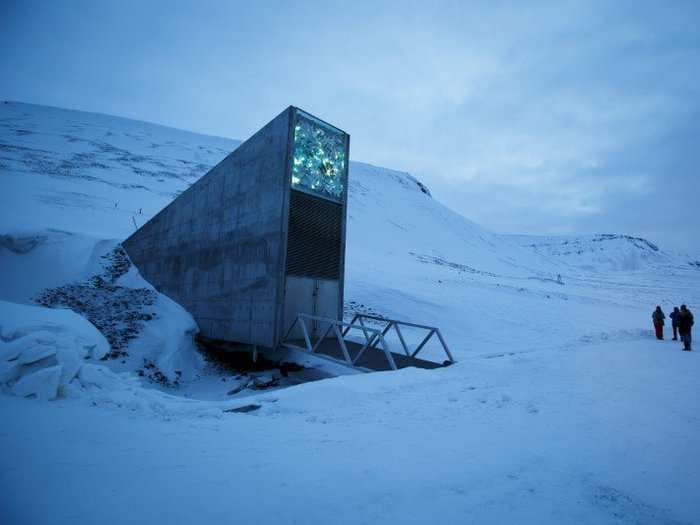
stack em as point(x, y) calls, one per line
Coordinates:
point(373, 337)
point(395, 324)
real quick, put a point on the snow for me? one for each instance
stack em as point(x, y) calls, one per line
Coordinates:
point(561, 407)
point(601, 434)
point(43, 384)
point(60, 258)
point(607, 252)
point(42, 350)
point(26, 331)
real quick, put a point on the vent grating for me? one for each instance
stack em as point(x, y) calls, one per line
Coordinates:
point(314, 238)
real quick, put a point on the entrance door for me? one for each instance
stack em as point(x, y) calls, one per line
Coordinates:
point(312, 296)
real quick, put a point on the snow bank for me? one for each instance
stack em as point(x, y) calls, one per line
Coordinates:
point(48, 353)
point(94, 278)
point(33, 260)
point(42, 350)
point(168, 342)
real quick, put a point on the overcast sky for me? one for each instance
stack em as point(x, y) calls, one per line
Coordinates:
point(528, 117)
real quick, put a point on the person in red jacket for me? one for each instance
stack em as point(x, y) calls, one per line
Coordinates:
point(658, 318)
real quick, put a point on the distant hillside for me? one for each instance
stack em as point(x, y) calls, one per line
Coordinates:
point(597, 252)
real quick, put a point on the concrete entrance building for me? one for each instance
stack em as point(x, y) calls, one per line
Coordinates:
point(260, 238)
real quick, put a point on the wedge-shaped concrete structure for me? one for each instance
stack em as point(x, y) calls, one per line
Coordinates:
point(260, 238)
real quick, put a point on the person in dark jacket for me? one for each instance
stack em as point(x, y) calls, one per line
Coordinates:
point(658, 318)
point(674, 321)
point(685, 323)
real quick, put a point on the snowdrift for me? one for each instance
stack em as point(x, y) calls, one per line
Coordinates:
point(143, 330)
point(44, 352)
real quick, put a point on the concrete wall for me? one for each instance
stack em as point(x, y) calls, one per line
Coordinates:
point(219, 248)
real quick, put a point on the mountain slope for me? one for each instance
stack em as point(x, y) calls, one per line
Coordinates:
point(89, 173)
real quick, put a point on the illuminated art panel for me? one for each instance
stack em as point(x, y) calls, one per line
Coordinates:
point(318, 160)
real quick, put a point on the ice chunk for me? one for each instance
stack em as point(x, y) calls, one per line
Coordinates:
point(42, 384)
point(8, 371)
point(96, 375)
point(71, 362)
point(36, 352)
point(10, 351)
point(23, 338)
point(42, 350)
point(23, 326)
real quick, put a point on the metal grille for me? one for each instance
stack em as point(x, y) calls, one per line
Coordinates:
point(314, 238)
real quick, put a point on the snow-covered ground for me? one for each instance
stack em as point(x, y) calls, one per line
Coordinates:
point(561, 408)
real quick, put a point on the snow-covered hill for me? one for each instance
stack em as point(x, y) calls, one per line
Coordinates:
point(88, 173)
point(599, 253)
point(530, 320)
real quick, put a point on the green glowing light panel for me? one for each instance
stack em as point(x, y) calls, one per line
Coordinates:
point(319, 159)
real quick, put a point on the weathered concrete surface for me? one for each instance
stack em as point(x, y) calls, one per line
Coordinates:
point(218, 249)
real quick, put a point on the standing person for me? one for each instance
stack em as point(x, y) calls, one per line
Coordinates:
point(685, 323)
point(674, 321)
point(658, 318)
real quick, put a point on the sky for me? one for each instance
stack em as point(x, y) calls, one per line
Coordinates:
point(527, 117)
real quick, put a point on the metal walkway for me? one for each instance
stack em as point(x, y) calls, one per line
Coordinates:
point(372, 355)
